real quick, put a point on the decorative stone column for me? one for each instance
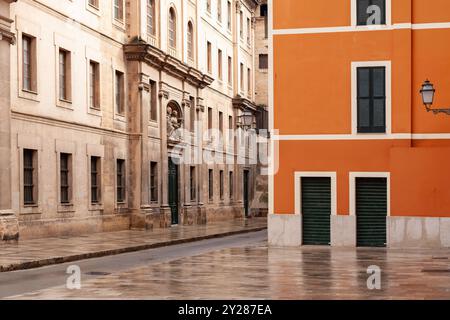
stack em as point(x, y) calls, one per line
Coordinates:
point(9, 225)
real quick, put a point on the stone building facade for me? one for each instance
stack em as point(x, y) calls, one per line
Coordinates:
point(107, 98)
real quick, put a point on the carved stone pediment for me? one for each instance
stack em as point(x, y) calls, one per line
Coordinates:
point(167, 63)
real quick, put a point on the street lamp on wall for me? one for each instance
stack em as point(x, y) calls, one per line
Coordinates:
point(245, 120)
point(427, 93)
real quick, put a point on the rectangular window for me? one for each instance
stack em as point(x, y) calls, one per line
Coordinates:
point(118, 10)
point(209, 58)
point(248, 31)
point(65, 177)
point(119, 95)
point(94, 85)
point(93, 3)
point(242, 76)
point(210, 184)
point(249, 82)
point(371, 12)
point(28, 63)
point(208, 6)
point(241, 25)
point(371, 97)
point(121, 176)
point(153, 181)
point(229, 15)
point(64, 75)
point(221, 180)
point(230, 71)
point(153, 101)
point(151, 17)
point(231, 184)
point(219, 63)
point(192, 183)
point(210, 119)
point(219, 10)
point(192, 113)
point(230, 127)
point(263, 61)
point(95, 180)
point(29, 176)
point(221, 122)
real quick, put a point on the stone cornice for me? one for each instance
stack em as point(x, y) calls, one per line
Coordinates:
point(253, 4)
point(165, 62)
point(5, 30)
point(244, 104)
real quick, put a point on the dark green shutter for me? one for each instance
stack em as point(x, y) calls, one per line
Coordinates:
point(316, 210)
point(371, 212)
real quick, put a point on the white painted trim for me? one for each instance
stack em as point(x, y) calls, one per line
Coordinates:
point(352, 185)
point(271, 178)
point(396, 26)
point(354, 101)
point(394, 136)
point(298, 188)
point(354, 15)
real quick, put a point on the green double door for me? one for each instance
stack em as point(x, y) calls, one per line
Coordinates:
point(173, 191)
point(316, 210)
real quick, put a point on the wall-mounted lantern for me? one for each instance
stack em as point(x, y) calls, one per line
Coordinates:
point(245, 120)
point(427, 93)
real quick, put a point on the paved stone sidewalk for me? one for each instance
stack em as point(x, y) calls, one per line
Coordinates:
point(28, 254)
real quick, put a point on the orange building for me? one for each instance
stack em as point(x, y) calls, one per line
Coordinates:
point(361, 160)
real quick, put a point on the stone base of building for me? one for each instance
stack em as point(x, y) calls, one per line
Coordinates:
point(32, 229)
point(418, 232)
point(223, 213)
point(285, 230)
point(343, 231)
point(9, 226)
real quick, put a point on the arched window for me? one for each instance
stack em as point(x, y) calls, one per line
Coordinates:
point(190, 40)
point(172, 28)
point(151, 17)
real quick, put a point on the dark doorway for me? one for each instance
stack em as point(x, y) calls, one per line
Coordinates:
point(246, 193)
point(173, 191)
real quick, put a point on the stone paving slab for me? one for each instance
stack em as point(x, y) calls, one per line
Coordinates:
point(261, 272)
point(27, 254)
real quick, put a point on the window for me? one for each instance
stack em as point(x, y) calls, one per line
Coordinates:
point(219, 10)
point(28, 63)
point(118, 10)
point(151, 17)
point(241, 25)
point(248, 31)
point(172, 29)
point(211, 184)
point(192, 113)
point(229, 15)
point(93, 3)
point(153, 181)
point(371, 99)
point(230, 127)
point(230, 71)
point(219, 63)
point(367, 13)
point(242, 76)
point(249, 81)
point(190, 41)
point(29, 177)
point(94, 85)
point(95, 180)
point(65, 177)
point(209, 58)
point(221, 122)
point(221, 184)
point(208, 6)
point(153, 101)
point(263, 13)
point(231, 184)
point(64, 75)
point(192, 183)
point(119, 95)
point(121, 176)
point(210, 118)
point(263, 61)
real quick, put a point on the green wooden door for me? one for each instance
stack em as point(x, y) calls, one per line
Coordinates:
point(371, 212)
point(316, 210)
point(173, 191)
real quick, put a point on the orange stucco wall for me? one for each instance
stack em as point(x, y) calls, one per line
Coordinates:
point(312, 95)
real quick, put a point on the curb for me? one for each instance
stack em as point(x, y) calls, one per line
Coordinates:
point(112, 252)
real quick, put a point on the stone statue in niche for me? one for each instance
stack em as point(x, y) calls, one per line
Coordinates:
point(173, 124)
